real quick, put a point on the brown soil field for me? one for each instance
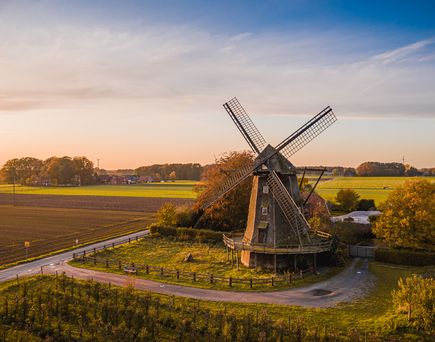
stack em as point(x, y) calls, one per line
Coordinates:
point(51, 229)
point(142, 204)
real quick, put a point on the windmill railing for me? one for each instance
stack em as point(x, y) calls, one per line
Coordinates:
point(319, 247)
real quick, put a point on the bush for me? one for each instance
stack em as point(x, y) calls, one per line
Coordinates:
point(405, 257)
point(163, 230)
point(350, 232)
point(186, 234)
point(416, 296)
point(366, 204)
point(347, 199)
point(184, 217)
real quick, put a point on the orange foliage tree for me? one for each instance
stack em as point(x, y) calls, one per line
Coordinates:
point(230, 212)
point(408, 217)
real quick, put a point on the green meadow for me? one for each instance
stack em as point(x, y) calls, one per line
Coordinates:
point(179, 189)
point(377, 188)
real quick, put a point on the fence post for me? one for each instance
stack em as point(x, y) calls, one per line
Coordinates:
point(119, 264)
point(230, 281)
point(161, 271)
point(147, 269)
point(289, 278)
point(194, 276)
point(272, 281)
point(104, 247)
point(113, 245)
point(95, 250)
point(250, 283)
point(129, 240)
point(211, 278)
point(178, 274)
point(107, 263)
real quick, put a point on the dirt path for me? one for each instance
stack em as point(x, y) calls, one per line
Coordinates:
point(350, 284)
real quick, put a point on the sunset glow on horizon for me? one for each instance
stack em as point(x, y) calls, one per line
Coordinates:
point(139, 83)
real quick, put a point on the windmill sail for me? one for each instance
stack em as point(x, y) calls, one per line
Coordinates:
point(289, 208)
point(245, 125)
point(307, 132)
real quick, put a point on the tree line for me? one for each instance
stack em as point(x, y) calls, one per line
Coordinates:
point(390, 170)
point(52, 171)
point(191, 171)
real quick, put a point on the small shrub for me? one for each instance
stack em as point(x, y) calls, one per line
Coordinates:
point(404, 257)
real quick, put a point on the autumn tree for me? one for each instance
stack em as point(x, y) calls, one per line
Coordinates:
point(318, 214)
point(60, 170)
point(167, 215)
point(347, 199)
point(408, 217)
point(231, 211)
point(22, 170)
point(84, 170)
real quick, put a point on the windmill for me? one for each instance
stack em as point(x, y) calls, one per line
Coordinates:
point(276, 226)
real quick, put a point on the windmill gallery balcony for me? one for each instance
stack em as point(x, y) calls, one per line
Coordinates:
point(278, 257)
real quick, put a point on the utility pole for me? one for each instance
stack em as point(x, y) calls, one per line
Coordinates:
point(13, 187)
point(98, 164)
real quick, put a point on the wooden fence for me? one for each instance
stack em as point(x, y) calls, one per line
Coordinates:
point(143, 269)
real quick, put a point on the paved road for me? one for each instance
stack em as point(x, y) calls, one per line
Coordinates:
point(350, 284)
point(34, 267)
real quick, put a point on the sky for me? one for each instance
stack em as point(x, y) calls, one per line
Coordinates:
point(141, 82)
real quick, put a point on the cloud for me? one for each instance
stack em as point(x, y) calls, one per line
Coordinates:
point(401, 54)
point(175, 69)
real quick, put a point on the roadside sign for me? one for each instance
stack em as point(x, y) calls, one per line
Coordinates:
point(27, 244)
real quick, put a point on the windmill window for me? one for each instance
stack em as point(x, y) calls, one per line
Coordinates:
point(265, 189)
point(264, 211)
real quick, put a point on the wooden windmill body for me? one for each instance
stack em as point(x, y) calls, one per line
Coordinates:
point(276, 226)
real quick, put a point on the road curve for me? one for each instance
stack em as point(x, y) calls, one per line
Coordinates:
point(34, 267)
point(351, 283)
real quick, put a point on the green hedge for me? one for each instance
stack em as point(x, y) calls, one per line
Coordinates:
point(404, 257)
point(187, 234)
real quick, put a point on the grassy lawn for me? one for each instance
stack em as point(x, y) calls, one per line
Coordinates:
point(179, 189)
point(207, 259)
point(377, 188)
point(51, 229)
point(373, 314)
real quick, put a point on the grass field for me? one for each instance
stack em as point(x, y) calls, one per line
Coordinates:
point(89, 311)
point(207, 259)
point(377, 188)
point(180, 189)
point(50, 229)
